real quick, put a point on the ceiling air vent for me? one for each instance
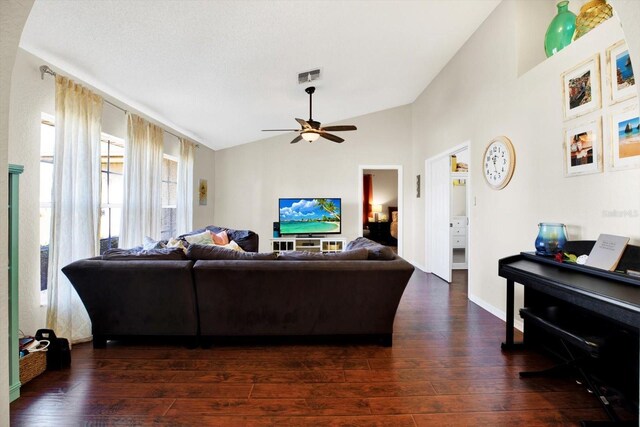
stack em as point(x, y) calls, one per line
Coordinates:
point(308, 76)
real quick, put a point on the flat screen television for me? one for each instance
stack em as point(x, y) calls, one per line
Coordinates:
point(310, 216)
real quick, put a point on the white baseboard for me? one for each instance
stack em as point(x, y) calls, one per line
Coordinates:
point(500, 314)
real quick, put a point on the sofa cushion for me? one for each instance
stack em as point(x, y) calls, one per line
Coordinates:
point(376, 250)
point(142, 254)
point(353, 255)
point(212, 252)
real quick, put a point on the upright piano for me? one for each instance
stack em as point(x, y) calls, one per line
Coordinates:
point(603, 301)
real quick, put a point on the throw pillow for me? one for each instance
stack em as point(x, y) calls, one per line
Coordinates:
point(166, 254)
point(360, 254)
point(148, 243)
point(175, 243)
point(212, 252)
point(220, 238)
point(232, 245)
point(203, 238)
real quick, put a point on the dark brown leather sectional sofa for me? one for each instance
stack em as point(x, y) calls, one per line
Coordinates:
point(298, 295)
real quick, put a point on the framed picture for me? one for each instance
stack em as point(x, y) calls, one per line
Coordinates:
point(622, 81)
point(202, 192)
point(581, 88)
point(625, 138)
point(583, 148)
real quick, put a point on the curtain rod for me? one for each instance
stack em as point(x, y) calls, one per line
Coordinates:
point(44, 69)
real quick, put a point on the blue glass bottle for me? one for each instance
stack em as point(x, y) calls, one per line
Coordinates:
point(551, 238)
point(560, 31)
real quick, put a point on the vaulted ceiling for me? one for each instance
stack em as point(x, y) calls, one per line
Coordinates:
point(220, 71)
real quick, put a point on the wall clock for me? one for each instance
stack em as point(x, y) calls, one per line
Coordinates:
point(499, 161)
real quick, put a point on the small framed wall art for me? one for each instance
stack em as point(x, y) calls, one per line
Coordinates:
point(620, 76)
point(625, 137)
point(202, 192)
point(583, 148)
point(581, 88)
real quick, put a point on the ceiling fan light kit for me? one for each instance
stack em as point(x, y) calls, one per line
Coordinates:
point(311, 130)
point(310, 136)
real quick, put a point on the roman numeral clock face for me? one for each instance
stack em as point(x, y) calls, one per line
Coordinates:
point(499, 161)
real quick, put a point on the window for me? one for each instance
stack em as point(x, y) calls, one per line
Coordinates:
point(111, 167)
point(47, 144)
point(169, 199)
point(112, 187)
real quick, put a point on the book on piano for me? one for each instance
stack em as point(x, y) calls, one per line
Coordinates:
point(607, 251)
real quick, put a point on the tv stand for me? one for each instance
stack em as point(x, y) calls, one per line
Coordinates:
point(310, 244)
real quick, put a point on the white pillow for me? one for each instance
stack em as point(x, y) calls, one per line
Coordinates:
point(149, 243)
point(233, 246)
point(203, 238)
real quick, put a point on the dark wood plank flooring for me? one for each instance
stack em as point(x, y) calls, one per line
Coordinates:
point(445, 369)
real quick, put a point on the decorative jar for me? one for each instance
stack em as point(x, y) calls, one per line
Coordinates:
point(551, 238)
point(560, 31)
point(591, 15)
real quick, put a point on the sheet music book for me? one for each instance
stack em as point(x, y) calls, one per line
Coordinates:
point(607, 251)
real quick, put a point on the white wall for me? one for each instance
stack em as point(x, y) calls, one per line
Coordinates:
point(203, 168)
point(478, 96)
point(31, 96)
point(13, 15)
point(250, 178)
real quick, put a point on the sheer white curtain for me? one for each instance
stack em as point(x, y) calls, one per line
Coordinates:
point(142, 205)
point(184, 205)
point(76, 203)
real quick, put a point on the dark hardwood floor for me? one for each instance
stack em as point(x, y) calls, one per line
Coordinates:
point(445, 368)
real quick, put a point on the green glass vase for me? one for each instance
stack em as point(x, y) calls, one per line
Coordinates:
point(560, 31)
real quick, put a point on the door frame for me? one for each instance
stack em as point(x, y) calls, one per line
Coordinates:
point(447, 153)
point(401, 213)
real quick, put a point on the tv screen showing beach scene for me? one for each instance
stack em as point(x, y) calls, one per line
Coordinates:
point(309, 216)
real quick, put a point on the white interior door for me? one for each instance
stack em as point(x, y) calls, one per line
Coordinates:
point(438, 210)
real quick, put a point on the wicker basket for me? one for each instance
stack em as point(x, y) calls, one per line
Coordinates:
point(32, 365)
point(591, 15)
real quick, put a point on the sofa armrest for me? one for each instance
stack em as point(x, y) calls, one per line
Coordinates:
point(136, 297)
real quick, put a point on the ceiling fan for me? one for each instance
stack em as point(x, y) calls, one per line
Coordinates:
point(311, 130)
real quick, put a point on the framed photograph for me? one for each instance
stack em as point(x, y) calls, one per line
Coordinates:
point(202, 192)
point(581, 88)
point(622, 81)
point(583, 148)
point(625, 138)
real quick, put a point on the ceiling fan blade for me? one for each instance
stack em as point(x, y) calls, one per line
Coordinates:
point(331, 137)
point(303, 123)
point(296, 139)
point(280, 130)
point(339, 128)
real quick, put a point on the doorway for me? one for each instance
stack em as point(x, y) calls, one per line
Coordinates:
point(447, 193)
point(381, 204)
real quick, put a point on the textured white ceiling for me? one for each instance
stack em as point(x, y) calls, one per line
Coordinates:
point(220, 71)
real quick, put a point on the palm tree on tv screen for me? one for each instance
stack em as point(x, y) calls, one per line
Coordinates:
point(329, 207)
